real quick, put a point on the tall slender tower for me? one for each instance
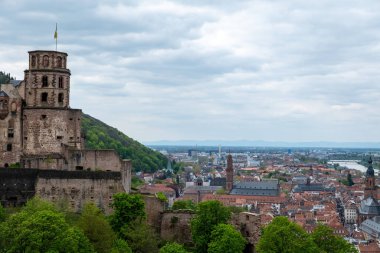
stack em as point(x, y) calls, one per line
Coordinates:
point(370, 181)
point(229, 174)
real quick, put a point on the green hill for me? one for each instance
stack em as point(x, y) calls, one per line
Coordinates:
point(101, 136)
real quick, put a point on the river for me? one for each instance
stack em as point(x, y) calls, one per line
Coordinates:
point(351, 164)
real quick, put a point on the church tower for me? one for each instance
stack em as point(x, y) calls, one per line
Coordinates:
point(229, 174)
point(370, 181)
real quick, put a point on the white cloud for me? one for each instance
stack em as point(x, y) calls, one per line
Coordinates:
point(274, 70)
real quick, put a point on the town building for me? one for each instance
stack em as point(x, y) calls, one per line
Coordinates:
point(369, 206)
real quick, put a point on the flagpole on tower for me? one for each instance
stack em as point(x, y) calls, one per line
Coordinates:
point(56, 36)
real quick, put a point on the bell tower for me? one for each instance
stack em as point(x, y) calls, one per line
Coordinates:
point(370, 181)
point(47, 81)
point(229, 173)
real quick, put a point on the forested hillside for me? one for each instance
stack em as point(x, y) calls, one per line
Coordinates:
point(101, 136)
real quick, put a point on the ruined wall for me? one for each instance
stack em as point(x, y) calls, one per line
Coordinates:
point(74, 187)
point(46, 131)
point(16, 186)
point(153, 209)
point(79, 187)
point(175, 226)
point(10, 125)
point(249, 225)
point(94, 160)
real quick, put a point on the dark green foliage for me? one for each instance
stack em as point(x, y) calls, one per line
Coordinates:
point(349, 180)
point(327, 242)
point(208, 215)
point(95, 226)
point(237, 209)
point(283, 236)
point(136, 182)
point(127, 209)
point(172, 248)
point(226, 239)
point(184, 204)
point(101, 136)
point(39, 227)
point(5, 78)
point(121, 246)
point(140, 237)
point(2, 213)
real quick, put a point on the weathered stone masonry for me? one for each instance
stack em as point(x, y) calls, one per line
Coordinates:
point(38, 129)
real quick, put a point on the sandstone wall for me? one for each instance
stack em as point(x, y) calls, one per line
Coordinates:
point(175, 226)
point(46, 131)
point(79, 187)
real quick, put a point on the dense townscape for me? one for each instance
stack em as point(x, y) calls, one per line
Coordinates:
point(70, 183)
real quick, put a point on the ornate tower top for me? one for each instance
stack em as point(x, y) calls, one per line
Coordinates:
point(47, 81)
point(370, 172)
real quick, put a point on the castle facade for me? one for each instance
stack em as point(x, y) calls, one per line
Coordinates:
point(39, 131)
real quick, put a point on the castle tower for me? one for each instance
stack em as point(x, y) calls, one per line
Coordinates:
point(47, 81)
point(229, 173)
point(370, 181)
point(49, 125)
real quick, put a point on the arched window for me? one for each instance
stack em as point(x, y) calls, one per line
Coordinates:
point(60, 98)
point(33, 61)
point(44, 97)
point(59, 62)
point(46, 61)
point(60, 82)
point(44, 81)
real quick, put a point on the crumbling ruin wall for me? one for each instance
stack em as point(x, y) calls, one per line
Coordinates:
point(73, 187)
point(175, 226)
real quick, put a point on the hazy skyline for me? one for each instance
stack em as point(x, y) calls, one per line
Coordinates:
point(203, 70)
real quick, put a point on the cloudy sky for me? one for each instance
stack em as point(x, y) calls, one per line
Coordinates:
point(217, 69)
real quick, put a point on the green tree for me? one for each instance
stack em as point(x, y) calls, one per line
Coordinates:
point(43, 231)
point(327, 242)
point(208, 215)
point(172, 247)
point(183, 204)
point(225, 239)
point(349, 180)
point(126, 209)
point(140, 237)
point(283, 236)
point(121, 246)
point(97, 229)
point(2, 213)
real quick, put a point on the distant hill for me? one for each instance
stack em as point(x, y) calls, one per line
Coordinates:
point(101, 136)
point(260, 143)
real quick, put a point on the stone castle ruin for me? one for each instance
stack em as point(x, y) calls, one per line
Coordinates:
point(41, 134)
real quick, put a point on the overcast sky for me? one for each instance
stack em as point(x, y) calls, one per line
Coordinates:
point(226, 70)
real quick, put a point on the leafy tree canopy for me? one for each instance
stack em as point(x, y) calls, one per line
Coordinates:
point(183, 204)
point(225, 239)
point(327, 242)
point(283, 236)
point(38, 227)
point(95, 226)
point(127, 208)
point(5, 78)
point(208, 215)
point(140, 237)
point(173, 248)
